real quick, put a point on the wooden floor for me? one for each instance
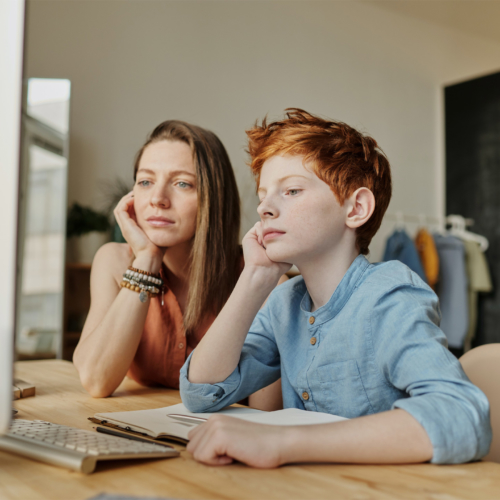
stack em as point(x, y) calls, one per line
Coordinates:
point(60, 399)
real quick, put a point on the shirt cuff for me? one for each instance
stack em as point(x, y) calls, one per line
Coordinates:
point(201, 398)
point(454, 436)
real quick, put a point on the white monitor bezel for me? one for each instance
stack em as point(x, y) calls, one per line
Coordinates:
point(11, 65)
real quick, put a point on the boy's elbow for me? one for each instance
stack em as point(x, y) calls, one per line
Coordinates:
point(485, 433)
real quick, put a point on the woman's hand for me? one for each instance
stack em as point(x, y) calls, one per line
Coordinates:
point(223, 439)
point(255, 254)
point(140, 244)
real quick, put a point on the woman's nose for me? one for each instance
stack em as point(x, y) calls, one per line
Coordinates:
point(160, 198)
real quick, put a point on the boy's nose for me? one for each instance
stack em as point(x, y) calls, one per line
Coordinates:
point(266, 210)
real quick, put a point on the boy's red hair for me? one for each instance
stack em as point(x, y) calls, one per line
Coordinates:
point(340, 156)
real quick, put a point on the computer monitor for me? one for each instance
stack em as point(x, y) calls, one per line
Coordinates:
point(11, 64)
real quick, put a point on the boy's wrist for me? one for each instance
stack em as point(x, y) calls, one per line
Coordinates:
point(261, 277)
point(289, 444)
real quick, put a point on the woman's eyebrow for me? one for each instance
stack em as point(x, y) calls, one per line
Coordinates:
point(146, 171)
point(184, 172)
point(173, 172)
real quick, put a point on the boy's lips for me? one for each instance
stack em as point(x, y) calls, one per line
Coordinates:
point(157, 221)
point(271, 233)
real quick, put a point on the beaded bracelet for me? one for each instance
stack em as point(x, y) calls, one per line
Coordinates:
point(144, 282)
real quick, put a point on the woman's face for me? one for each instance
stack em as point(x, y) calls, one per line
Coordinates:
point(165, 195)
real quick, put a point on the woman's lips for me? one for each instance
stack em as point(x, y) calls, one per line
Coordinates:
point(272, 234)
point(159, 221)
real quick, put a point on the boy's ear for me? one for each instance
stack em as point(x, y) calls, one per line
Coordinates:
point(360, 206)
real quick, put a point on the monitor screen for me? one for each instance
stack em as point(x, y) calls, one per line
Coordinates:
point(11, 63)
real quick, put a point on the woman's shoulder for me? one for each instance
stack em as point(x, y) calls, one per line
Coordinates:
point(113, 258)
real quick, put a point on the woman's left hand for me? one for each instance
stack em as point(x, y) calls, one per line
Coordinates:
point(223, 439)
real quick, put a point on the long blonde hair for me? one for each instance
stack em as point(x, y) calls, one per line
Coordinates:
point(216, 254)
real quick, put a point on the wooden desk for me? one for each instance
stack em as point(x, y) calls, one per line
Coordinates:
point(61, 399)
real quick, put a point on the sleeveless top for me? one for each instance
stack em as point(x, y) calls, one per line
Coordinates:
point(164, 346)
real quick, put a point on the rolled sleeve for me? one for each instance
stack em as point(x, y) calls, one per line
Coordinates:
point(410, 350)
point(258, 367)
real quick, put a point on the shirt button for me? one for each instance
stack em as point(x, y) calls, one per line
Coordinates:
point(311, 320)
point(313, 340)
point(181, 346)
point(305, 395)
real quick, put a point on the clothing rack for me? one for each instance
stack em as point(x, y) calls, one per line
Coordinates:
point(456, 221)
point(457, 225)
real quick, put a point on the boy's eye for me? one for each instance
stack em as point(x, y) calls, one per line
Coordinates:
point(293, 192)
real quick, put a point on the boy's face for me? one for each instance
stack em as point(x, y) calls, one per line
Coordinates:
point(301, 218)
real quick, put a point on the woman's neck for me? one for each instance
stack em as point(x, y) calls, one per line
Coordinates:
point(177, 260)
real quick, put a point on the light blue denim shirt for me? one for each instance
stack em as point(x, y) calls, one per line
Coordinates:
point(376, 345)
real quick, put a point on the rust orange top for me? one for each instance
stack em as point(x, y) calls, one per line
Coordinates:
point(164, 346)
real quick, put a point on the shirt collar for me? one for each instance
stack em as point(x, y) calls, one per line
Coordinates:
point(340, 297)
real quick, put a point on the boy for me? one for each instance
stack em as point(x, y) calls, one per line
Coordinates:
point(347, 337)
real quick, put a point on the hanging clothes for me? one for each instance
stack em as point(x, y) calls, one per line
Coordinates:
point(400, 247)
point(479, 281)
point(452, 289)
point(429, 257)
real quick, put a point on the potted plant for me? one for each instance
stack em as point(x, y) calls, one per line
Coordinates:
point(87, 230)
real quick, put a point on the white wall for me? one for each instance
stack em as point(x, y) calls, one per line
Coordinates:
point(223, 64)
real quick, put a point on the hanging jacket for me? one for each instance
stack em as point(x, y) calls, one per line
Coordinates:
point(452, 289)
point(400, 247)
point(479, 279)
point(429, 257)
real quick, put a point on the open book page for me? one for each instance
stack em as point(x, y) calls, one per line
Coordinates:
point(291, 416)
point(156, 423)
point(169, 421)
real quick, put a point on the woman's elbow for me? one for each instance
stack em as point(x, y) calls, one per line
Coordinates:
point(95, 387)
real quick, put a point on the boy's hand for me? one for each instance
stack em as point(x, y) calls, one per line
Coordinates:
point(255, 254)
point(224, 439)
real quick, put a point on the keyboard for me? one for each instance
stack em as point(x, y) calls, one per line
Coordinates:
point(73, 448)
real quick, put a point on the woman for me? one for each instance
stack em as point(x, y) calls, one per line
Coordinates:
point(181, 223)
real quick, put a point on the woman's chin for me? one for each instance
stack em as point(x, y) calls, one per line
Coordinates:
point(166, 241)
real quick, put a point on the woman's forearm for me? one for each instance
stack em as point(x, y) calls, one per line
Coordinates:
point(218, 353)
point(112, 332)
point(104, 356)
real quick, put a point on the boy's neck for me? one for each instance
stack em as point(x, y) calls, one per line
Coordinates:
point(323, 274)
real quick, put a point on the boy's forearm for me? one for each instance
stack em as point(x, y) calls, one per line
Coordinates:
point(218, 353)
point(389, 437)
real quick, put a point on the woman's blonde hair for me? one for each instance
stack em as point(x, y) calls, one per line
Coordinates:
point(216, 254)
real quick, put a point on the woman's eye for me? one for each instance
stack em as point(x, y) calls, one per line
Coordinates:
point(144, 183)
point(183, 184)
point(293, 192)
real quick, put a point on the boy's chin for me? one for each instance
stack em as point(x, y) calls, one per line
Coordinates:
point(279, 255)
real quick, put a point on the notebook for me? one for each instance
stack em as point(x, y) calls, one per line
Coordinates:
point(175, 422)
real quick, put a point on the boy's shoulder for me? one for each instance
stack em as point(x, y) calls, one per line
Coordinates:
point(394, 278)
point(392, 273)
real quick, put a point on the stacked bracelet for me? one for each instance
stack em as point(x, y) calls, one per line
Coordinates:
point(144, 282)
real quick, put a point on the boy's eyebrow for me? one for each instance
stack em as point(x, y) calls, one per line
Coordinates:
point(292, 175)
point(282, 179)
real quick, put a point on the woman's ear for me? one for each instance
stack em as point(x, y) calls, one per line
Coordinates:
point(360, 207)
